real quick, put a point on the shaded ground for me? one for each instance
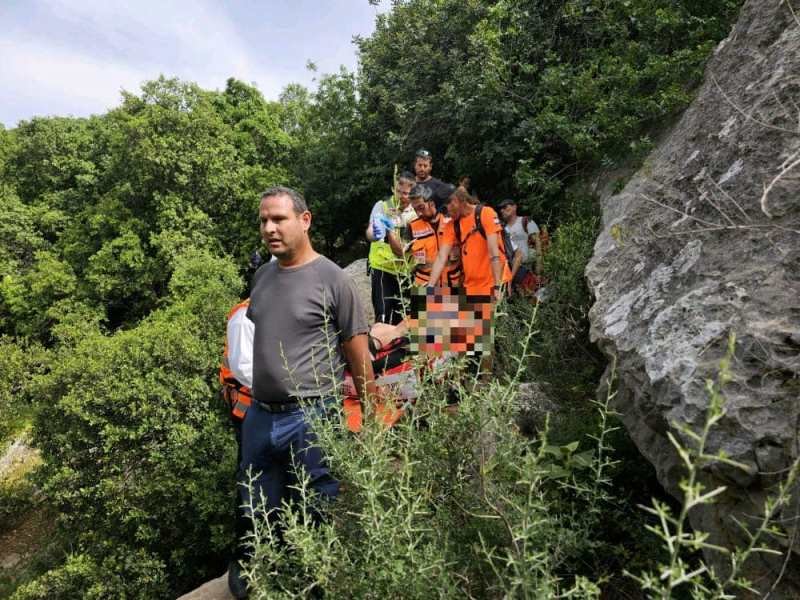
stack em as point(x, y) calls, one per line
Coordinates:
point(21, 542)
point(25, 526)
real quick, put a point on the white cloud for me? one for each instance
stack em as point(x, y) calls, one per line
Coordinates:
point(110, 46)
point(57, 74)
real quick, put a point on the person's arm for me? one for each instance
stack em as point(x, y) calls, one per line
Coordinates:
point(240, 347)
point(395, 243)
point(356, 352)
point(494, 260)
point(516, 262)
point(439, 263)
point(376, 212)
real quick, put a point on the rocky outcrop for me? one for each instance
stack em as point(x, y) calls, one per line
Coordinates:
point(357, 270)
point(216, 589)
point(704, 241)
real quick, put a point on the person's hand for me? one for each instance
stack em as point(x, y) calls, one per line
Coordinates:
point(497, 293)
point(387, 223)
point(378, 230)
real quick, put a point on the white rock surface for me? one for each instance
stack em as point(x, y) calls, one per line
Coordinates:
point(702, 257)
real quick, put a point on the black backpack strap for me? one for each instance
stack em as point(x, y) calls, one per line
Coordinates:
point(505, 237)
point(478, 224)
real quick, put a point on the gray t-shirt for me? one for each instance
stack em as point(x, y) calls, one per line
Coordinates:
point(301, 316)
point(519, 234)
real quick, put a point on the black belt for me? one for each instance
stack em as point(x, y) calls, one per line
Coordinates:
point(282, 407)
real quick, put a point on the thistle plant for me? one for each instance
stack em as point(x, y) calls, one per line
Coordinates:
point(445, 504)
point(672, 529)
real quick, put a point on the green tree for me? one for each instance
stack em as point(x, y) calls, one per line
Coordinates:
point(136, 458)
point(525, 95)
point(330, 160)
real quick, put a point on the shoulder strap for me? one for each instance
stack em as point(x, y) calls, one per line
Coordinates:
point(478, 223)
point(525, 224)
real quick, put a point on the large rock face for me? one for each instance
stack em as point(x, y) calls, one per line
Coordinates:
point(357, 270)
point(704, 241)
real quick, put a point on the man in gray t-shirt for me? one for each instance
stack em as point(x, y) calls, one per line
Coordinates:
point(308, 323)
point(301, 313)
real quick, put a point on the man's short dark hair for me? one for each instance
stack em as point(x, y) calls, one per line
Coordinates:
point(406, 176)
point(299, 204)
point(421, 191)
point(506, 202)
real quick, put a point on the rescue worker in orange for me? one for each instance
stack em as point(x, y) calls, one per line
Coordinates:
point(426, 233)
point(236, 377)
point(483, 260)
point(485, 268)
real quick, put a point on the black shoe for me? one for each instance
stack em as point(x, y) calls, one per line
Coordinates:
point(237, 584)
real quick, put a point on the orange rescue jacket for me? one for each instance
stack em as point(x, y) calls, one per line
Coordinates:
point(238, 396)
point(426, 238)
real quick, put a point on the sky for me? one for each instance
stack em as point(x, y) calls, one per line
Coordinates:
point(72, 57)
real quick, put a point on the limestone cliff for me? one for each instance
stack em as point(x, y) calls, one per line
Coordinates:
point(703, 241)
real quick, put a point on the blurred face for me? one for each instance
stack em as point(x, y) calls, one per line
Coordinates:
point(426, 210)
point(284, 232)
point(509, 211)
point(455, 207)
point(401, 191)
point(422, 168)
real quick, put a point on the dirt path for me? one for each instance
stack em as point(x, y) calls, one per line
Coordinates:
point(29, 530)
point(27, 536)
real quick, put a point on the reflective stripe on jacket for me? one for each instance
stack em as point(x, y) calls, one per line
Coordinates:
point(426, 239)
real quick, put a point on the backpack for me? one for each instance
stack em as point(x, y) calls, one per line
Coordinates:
point(507, 247)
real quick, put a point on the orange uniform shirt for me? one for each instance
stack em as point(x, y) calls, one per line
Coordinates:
point(475, 263)
point(426, 238)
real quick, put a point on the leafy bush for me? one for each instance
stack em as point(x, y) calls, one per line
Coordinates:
point(562, 354)
point(19, 363)
point(454, 504)
point(137, 459)
point(121, 573)
point(446, 505)
point(526, 95)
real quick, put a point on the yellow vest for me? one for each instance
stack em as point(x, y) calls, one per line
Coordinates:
point(381, 256)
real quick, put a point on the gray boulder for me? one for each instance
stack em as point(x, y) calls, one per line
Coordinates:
point(357, 270)
point(704, 241)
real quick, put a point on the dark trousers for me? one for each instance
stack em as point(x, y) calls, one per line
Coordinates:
point(272, 445)
point(242, 523)
point(386, 297)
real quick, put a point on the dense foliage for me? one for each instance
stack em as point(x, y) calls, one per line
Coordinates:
point(524, 96)
point(124, 239)
point(448, 505)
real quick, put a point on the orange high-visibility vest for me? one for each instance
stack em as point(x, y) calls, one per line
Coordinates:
point(426, 239)
point(238, 396)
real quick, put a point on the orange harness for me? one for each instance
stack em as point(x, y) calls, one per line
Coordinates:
point(425, 249)
point(237, 396)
